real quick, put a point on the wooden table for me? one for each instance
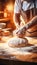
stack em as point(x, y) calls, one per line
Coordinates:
point(28, 53)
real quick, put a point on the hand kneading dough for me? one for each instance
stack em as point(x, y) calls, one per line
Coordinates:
point(17, 42)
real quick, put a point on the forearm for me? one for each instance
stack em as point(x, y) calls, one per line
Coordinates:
point(17, 19)
point(28, 25)
point(31, 23)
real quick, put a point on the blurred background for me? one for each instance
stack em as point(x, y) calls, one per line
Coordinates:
point(6, 13)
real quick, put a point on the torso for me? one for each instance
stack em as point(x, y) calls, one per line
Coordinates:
point(28, 14)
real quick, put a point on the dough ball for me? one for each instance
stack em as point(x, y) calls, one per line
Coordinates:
point(17, 42)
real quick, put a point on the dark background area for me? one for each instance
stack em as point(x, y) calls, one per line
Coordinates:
point(15, 62)
point(4, 1)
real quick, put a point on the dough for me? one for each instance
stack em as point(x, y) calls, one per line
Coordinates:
point(17, 42)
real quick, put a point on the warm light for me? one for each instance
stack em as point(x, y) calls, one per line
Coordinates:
point(10, 7)
point(5, 14)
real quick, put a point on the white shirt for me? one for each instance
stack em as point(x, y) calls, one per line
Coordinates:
point(25, 6)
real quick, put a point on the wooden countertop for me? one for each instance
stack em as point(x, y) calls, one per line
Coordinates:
point(28, 53)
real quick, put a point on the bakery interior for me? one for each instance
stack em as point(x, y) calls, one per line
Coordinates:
point(14, 55)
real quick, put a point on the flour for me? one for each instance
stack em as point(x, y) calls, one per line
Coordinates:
point(17, 41)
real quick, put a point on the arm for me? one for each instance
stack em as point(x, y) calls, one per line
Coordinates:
point(30, 24)
point(17, 20)
point(17, 8)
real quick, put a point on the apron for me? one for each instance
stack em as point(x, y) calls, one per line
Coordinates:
point(27, 16)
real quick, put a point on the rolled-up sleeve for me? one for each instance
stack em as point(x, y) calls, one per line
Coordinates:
point(17, 6)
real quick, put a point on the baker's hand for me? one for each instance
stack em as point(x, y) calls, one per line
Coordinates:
point(21, 32)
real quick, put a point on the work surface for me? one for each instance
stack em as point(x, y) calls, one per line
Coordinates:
point(28, 53)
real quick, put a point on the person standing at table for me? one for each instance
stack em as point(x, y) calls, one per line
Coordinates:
point(28, 10)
